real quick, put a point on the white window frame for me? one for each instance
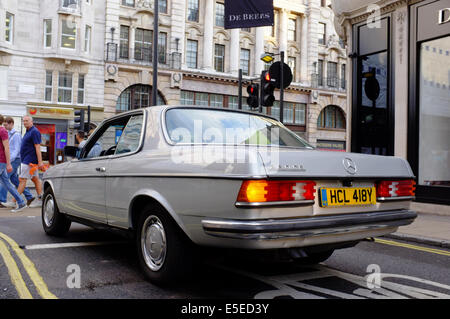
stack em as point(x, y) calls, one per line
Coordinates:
point(9, 27)
point(68, 35)
point(64, 88)
point(48, 86)
point(81, 90)
point(46, 34)
point(87, 38)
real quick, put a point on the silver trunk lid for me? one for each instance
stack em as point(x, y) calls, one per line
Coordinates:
point(285, 162)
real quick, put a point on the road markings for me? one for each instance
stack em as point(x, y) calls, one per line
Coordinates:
point(429, 250)
point(14, 273)
point(37, 280)
point(69, 245)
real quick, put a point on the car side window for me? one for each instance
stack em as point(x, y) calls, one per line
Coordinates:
point(131, 136)
point(104, 142)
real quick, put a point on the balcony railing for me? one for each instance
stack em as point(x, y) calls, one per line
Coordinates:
point(141, 56)
point(329, 83)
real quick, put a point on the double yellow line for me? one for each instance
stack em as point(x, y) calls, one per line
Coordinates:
point(428, 250)
point(14, 272)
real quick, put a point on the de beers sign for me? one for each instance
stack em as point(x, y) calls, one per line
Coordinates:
point(248, 13)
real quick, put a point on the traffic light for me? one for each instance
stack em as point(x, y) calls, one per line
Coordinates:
point(267, 88)
point(79, 121)
point(253, 95)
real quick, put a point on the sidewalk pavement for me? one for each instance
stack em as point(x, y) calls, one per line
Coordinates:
point(427, 229)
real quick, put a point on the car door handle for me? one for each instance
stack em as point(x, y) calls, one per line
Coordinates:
point(101, 169)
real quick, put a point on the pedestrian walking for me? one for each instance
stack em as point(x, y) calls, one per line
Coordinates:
point(15, 141)
point(5, 168)
point(30, 153)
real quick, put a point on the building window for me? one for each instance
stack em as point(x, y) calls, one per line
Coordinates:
point(322, 33)
point(68, 34)
point(128, 3)
point(320, 73)
point(124, 42)
point(219, 58)
point(288, 113)
point(245, 61)
point(9, 27)
point(65, 87)
point(332, 77)
point(331, 117)
point(343, 76)
point(275, 110)
point(233, 102)
point(47, 33)
point(162, 6)
point(81, 83)
point(292, 28)
point(247, 30)
point(193, 10)
point(187, 98)
point(292, 62)
point(143, 45)
point(136, 97)
point(191, 54)
point(48, 86)
point(216, 100)
point(300, 114)
point(162, 47)
point(220, 14)
point(87, 39)
point(69, 3)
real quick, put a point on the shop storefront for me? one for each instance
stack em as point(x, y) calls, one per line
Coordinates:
point(429, 100)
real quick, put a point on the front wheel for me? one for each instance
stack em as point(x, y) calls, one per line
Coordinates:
point(165, 253)
point(54, 222)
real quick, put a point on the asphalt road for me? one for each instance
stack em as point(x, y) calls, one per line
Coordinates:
point(89, 263)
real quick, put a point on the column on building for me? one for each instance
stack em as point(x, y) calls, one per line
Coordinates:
point(112, 21)
point(178, 28)
point(304, 51)
point(259, 50)
point(208, 37)
point(313, 41)
point(284, 31)
point(235, 49)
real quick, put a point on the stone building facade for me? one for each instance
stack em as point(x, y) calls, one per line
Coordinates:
point(199, 61)
point(51, 64)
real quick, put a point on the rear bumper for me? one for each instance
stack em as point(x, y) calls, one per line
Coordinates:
point(276, 229)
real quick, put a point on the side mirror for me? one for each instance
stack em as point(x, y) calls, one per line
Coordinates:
point(71, 151)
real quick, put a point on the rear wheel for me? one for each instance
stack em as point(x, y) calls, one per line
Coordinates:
point(165, 253)
point(54, 222)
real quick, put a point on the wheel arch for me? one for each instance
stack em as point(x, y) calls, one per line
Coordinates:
point(150, 197)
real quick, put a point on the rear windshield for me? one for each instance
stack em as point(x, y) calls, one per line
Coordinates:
point(203, 126)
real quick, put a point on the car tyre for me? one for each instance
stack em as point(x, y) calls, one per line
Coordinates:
point(54, 222)
point(165, 253)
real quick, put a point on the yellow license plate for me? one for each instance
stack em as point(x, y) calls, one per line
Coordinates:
point(330, 197)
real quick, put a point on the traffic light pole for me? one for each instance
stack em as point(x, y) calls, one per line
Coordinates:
point(155, 51)
point(282, 87)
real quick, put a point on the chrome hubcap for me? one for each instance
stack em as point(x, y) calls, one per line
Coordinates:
point(153, 242)
point(49, 211)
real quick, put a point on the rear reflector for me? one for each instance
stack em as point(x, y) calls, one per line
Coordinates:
point(405, 188)
point(260, 191)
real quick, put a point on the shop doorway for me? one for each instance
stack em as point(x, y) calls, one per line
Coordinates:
point(54, 139)
point(373, 111)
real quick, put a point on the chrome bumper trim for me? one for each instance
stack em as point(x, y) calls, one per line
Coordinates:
point(307, 226)
point(389, 199)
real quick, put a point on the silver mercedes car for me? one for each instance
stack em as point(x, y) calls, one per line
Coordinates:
point(178, 178)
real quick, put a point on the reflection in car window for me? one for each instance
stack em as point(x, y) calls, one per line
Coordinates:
point(202, 126)
point(130, 137)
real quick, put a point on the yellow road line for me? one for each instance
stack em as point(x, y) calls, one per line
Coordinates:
point(37, 280)
point(14, 273)
point(429, 250)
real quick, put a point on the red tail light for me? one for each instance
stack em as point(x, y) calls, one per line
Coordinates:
point(258, 191)
point(396, 188)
